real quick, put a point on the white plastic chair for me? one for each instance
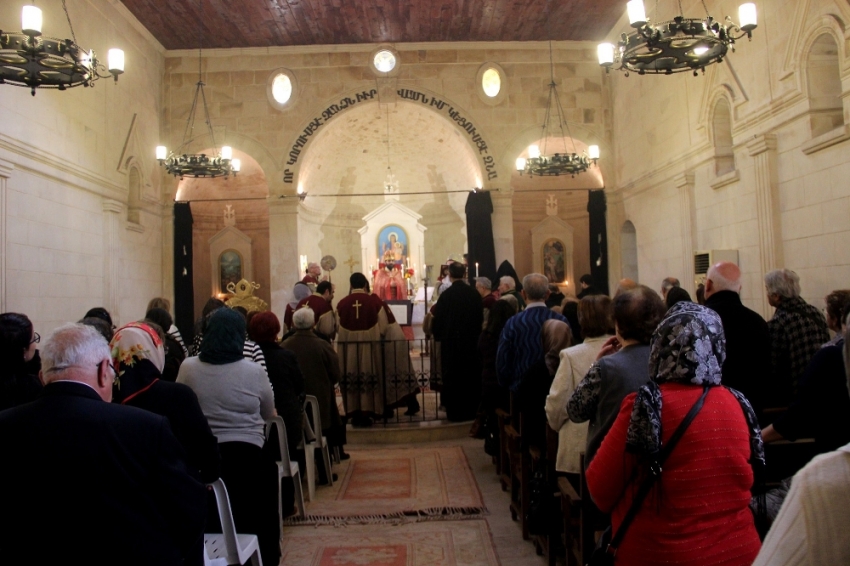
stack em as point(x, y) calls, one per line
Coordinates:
point(286, 468)
point(311, 407)
point(233, 548)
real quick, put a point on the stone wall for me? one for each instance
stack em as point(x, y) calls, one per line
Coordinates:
point(72, 235)
point(785, 200)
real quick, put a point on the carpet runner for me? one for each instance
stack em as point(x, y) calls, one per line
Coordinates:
point(397, 485)
point(465, 543)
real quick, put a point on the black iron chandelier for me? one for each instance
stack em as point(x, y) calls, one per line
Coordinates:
point(675, 46)
point(198, 165)
point(557, 164)
point(31, 60)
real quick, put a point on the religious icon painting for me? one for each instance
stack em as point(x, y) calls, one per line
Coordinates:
point(554, 260)
point(393, 244)
point(230, 268)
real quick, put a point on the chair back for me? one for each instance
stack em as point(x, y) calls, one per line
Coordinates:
point(314, 417)
point(283, 446)
point(228, 529)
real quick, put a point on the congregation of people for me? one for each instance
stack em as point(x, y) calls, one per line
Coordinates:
point(661, 408)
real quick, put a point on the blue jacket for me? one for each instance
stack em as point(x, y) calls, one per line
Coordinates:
point(521, 344)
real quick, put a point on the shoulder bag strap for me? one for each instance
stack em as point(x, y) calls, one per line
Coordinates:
point(655, 473)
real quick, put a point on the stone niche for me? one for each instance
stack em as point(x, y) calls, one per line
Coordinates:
point(393, 214)
point(230, 259)
point(552, 252)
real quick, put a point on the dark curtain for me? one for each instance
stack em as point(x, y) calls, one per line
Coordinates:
point(479, 233)
point(596, 207)
point(184, 292)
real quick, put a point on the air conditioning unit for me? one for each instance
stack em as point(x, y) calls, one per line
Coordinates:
point(704, 260)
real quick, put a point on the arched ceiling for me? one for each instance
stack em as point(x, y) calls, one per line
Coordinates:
point(268, 23)
point(427, 153)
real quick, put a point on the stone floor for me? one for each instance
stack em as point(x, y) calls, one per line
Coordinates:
point(507, 536)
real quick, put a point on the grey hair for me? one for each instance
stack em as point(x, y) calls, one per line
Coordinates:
point(507, 280)
point(722, 283)
point(72, 345)
point(484, 282)
point(535, 285)
point(670, 282)
point(304, 318)
point(783, 282)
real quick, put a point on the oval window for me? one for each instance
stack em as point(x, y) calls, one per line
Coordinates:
point(384, 61)
point(282, 88)
point(491, 82)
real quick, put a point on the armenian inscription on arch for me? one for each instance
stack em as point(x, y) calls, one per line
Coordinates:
point(408, 94)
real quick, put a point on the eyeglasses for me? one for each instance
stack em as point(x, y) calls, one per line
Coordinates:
point(36, 338)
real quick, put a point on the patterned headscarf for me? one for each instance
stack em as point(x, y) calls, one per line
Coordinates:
point(224, 338)
point(138, 356)
point(688, 347)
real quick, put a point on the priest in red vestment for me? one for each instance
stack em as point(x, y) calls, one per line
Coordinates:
point(320, 302)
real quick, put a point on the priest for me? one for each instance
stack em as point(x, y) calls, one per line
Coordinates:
point(320, 302)
point(374, 378)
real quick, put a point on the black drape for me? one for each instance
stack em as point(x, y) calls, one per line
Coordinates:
point(479, 234)
point(184, 292)
point(596, 207)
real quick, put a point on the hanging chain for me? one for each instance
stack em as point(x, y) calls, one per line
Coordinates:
point(65, 7)
point(681, 12)
point(706, 9)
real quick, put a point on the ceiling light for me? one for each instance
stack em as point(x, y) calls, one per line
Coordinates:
point(27, 59)
point(681, 44)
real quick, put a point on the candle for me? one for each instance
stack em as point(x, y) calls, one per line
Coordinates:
point(476, 269)
point(370, 268)
point(408, 263)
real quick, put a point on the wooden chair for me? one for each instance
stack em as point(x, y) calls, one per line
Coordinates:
point(504, 467)
point(549, 545)
point(233, 547)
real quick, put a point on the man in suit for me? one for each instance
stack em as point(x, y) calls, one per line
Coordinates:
point(83, 478)
point(458, 316)
point(747, 367)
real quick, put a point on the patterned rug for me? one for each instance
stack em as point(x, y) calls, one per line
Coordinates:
point(466, 543)
point(397, 485)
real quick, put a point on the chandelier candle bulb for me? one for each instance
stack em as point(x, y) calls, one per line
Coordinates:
point(605, 53)
point(701, 50)
point(747, 17)
point(593, 152)
point(236, 165)
point(31, 19)
point(161, 152)
point(534, 152)
point(520, 163)
point(115, 60)
point(637, 13)
point(226, 152)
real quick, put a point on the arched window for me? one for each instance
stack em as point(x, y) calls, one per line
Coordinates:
point(824, 85)
point(628, 251)
point(724, 157)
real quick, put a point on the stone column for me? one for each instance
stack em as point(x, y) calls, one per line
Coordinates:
point(503, 225)
point(283, 250)
point(763, 151)
point(687, 213)
point(5, 173)
point(112, 210)
point(616, 218)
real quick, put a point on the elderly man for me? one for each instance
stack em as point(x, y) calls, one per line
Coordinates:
point(313, 272)
point(747, 367)
point(797, 331)
point(668, 283)
point(320, 302)
point(507, 286)
point(86, 478)
point(458, 316)
point(521, 342)
point(319, 364)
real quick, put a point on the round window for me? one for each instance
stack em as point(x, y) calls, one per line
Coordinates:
point(491, 82)
point(384, 61)
point(282, 88)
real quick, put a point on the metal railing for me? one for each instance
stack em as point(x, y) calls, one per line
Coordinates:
point(391, 379)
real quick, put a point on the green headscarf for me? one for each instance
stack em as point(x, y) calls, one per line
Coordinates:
point(224, 338)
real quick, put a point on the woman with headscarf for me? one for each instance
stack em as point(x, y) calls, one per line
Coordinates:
point(18, 343)
point(138, 357)
point(299, 291)
point(175, 353)
point(236, 396)
point(697, 512)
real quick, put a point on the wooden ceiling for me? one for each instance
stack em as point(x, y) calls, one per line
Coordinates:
point(266, 23)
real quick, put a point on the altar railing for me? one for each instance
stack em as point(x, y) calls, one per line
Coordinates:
point(398, 379)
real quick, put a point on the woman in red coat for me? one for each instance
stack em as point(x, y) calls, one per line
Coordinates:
point(697, 513)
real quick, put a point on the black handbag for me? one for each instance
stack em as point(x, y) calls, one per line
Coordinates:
point(606, 550)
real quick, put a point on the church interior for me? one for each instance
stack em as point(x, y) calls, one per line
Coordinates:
point(350, 117)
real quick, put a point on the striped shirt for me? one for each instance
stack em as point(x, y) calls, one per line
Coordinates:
point(521, 344)
point(251, 351)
